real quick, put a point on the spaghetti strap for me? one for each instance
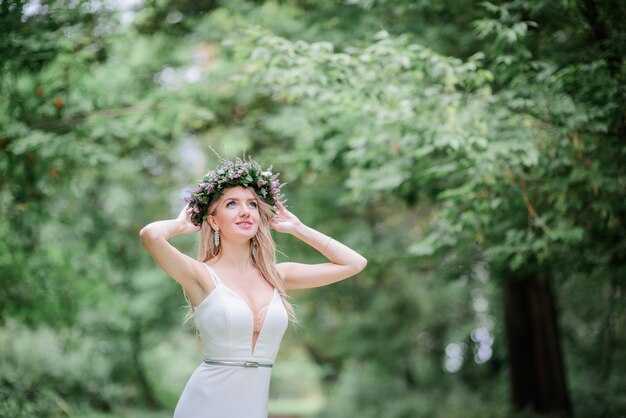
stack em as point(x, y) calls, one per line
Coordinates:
point(216, 280)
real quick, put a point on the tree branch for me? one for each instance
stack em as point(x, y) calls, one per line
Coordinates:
point(531, 210)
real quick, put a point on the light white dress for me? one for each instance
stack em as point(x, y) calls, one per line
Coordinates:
point(226, 324)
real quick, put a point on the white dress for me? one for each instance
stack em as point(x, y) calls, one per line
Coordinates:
point(226, 324)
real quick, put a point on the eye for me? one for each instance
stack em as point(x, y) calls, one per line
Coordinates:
point(253, 205)
point(229, 204)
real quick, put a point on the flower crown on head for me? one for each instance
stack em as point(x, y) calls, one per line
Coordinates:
point(240, 172)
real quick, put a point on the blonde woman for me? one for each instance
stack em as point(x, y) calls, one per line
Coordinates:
point(237, 292)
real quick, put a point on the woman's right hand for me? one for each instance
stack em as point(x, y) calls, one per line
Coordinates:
point(179, 266)
point(184, 220)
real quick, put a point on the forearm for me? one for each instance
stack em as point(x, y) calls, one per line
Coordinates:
point(162, 229)
point(332, 249)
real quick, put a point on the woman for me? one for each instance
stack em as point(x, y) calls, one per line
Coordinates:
point(238, 294)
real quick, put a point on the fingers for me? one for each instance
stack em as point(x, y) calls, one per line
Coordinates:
point(284, 212)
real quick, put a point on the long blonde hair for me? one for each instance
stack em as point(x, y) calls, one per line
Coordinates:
point(262, 252)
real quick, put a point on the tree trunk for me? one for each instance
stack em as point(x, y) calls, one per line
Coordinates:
point(537, 373)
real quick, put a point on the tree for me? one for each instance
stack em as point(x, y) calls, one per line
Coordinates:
point(85, 139)
point(522, 159)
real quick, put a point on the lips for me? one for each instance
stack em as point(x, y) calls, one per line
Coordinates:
point(244, 224)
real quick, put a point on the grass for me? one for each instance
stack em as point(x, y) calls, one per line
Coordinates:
point(127, 413)
point(300, 409)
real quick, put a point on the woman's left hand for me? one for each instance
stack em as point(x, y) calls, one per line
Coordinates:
point(285, 221)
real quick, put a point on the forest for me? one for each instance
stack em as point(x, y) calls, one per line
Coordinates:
point(473, 151)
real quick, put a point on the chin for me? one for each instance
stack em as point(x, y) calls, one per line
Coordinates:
point(247, 235)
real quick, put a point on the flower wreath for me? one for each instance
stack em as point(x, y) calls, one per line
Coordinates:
point(240, 172)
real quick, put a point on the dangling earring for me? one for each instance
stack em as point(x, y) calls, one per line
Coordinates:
point(216, 238)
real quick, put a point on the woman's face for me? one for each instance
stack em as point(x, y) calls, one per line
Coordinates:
point(236, 215)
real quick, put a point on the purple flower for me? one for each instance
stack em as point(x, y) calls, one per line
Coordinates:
point(229, 173)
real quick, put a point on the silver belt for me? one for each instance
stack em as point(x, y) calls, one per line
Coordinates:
point(247, 364)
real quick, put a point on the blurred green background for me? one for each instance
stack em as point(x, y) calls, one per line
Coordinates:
point(474, 152)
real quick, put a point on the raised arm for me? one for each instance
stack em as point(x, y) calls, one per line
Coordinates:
point(180, 267)
point(344, 261)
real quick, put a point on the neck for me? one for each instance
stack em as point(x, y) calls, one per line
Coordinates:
point(236, 255)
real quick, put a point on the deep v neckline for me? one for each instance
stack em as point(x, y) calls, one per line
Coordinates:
point(248, 305)
point(253, 342)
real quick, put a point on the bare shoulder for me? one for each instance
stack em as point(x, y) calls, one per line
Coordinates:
point(203, 276)
point(202, 285)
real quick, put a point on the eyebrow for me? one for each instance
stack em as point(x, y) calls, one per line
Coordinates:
point(247, 200)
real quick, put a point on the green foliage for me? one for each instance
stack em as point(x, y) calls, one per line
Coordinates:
point(44, 372)
point(371, 391)
point(389, 127)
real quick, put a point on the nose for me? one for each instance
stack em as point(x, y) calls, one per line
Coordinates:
point(244, 211)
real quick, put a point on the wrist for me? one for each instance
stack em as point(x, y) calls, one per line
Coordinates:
point(300, 230)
